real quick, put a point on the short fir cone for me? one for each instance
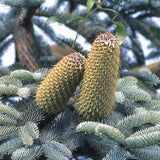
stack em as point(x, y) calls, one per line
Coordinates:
point(59, 85)
point(97, 93)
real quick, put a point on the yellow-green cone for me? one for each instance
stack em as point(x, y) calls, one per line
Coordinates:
point(59, 85)
point(97, 94)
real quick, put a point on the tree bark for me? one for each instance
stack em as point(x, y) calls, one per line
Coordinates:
point(26, 48)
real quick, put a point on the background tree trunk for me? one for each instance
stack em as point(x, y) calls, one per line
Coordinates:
point(26, 48)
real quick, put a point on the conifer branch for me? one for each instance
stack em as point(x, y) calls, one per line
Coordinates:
point(137, 119)
point(6, 130)
point(110, 132)
point(147, 131)
point(117, 153)
point(32, 129)
point(56, 147)
point(7, 120)
point(10, 111)
point(25, 137)
point(144, 140)
point(147, 153)
point(10, 145)
point(27, 153)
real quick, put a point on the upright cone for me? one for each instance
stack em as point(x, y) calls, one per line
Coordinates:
point(59, 85)
point(97, 94)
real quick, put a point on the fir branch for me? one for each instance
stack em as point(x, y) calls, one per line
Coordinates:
point(87, 127)
point(137, 120)
point(117, 153)
point(25, 136)
point(10, 145)
point(40, 74)
point(31, 90)
point(127, 81)
point(62, 129)
point(10, 111)
point(24, 92)
point(101, 145)
point(73, 141)
point(110, 132)
point(136, 94)
point(27, 153)
point(53, 154)
point(139, 109)
point(147, 77)
point(55, 150)
point(5, 131)
point(11, 80)
point(7, 120)
point(152, 105)
point(48, 134)
point(32, 129)
point(48, 60)
point(146, 131)
point(141, 141)
point(128, 106)
point(147, 153)
point(4, 71)
point(6, 89)
point(30, 112)
point(24, 75)
point(62, 149)
point(119, 97)
point(13, 90)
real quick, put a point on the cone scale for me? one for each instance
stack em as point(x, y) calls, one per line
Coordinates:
point(97, 93)
point(59, 85)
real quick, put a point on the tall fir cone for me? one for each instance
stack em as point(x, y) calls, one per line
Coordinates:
point(97, 94)
point(59, 85)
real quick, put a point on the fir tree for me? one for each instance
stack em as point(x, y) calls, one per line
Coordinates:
point(42, 111)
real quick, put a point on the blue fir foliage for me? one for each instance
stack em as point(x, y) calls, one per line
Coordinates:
point(132, 129)
point(20, 135)
point(143, 117)
point(129, 135)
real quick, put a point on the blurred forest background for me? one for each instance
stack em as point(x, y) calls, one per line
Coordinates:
point(23, 23)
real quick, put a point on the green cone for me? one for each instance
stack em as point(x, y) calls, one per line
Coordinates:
point(59, 85)
point(97, 94)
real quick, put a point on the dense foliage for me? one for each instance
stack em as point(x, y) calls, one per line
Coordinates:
point(85, 105)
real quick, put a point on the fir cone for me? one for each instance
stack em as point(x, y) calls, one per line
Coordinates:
point(97, 94)
point(59, 85)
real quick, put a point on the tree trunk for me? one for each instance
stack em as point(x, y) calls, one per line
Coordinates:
point(26, 48)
